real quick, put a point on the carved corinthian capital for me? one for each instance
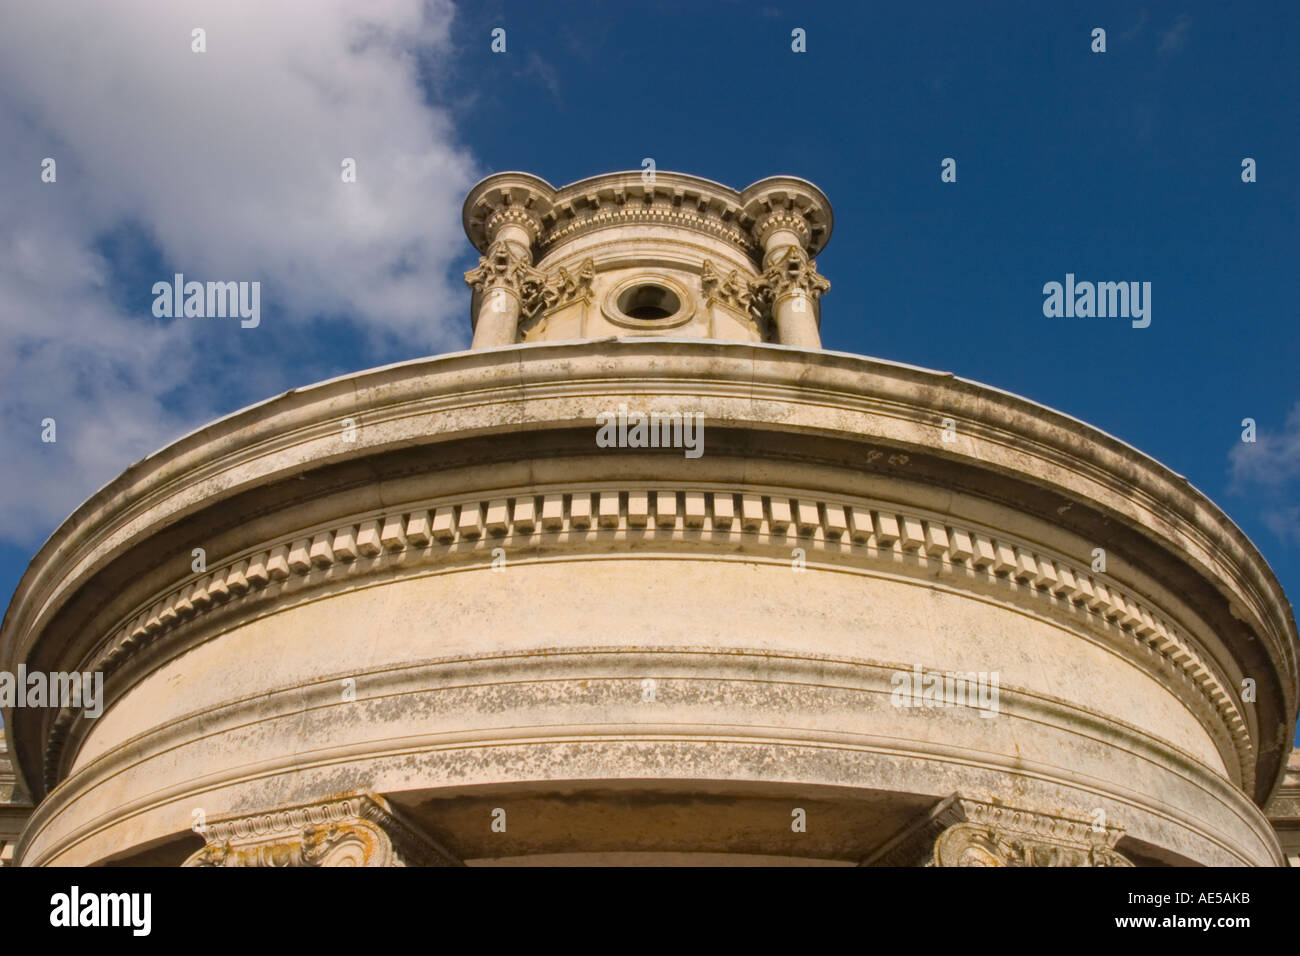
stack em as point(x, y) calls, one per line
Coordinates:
point(791, 271)
point(360, 830)
point(964, 832)
point(996, 835)
point(503, 267)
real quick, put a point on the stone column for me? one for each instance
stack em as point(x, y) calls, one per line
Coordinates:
point(356, 830)
point(507, 286)
point(790, 283)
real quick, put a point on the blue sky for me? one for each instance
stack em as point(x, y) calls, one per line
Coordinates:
point(1117, 166)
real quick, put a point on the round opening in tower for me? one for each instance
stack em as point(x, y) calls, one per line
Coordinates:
point(649, 302)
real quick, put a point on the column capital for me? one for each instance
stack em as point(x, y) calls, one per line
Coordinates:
point(959, 831)
point(791, 272)
point(503, 267)
point(355, 830)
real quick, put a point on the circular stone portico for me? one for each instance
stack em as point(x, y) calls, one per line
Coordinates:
point(441, 622)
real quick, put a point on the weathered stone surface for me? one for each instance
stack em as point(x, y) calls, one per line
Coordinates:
point(356, 830)
point(472, 607)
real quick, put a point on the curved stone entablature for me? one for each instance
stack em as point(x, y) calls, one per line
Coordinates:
point(841, 457)
point(669, 233)
point(447, 534)
point(743, 218)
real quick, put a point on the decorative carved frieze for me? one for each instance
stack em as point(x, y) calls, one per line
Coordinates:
point(504, 268)
point(562, 286)
point(641, 204)
point(733, 289)
point(854, 530)
point(360, 830)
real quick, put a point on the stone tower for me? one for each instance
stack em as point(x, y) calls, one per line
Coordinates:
point(646, 254)
point(888, 616)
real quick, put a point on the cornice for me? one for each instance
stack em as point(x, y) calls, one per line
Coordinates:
point(737, 385)
point(836, 534)
point(740, 217)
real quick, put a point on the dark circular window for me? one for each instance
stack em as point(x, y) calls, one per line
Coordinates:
point(649, 301)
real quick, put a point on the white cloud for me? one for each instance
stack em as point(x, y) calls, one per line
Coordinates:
point(1267, 470)
point(1175, 38)
point(1284, 521)
point(229, 161)
point(1273, 458)
point(1134, 30)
